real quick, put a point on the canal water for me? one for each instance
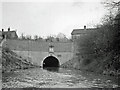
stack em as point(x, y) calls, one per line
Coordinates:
point(55, 78)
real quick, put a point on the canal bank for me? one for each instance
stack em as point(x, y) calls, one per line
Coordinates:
point(96, 65)
point(11, 61)
point(96, 68)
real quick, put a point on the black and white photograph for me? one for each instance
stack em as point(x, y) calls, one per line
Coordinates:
point(59, 44)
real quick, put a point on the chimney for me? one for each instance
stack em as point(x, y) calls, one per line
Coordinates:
point(84, 27)
point(9, 29)
point(2, 30)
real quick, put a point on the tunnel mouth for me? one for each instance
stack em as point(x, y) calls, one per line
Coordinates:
point(50, 62)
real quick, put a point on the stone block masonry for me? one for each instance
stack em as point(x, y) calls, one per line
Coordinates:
point(37, 51)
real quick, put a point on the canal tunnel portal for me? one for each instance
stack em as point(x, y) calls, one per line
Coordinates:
point(50, 61)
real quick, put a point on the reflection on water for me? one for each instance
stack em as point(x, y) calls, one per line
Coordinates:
point(52, 69)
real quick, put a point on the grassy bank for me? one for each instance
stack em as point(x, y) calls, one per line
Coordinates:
point(101, 65)
point(11, 61)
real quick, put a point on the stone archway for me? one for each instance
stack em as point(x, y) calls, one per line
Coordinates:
point(50, 61)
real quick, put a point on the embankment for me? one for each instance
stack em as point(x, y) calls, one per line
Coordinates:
point(11, 61)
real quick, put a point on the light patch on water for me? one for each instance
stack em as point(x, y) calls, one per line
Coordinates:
point(64, 75)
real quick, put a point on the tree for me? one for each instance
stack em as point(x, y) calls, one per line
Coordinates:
point(22, 36)
point(36, 37)
point(61, 36)
point(40, 38)
point(104, 44)
point(28, 37)
point(111, 4)
point(57, 39)
point(49, 38)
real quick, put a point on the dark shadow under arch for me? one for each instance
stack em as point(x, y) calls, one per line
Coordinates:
point(50, 61)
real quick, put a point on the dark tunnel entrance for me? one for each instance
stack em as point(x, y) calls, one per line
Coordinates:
point(50, 61)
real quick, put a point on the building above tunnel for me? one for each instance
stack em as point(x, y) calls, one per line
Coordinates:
point(9, 34)
point(76, 33)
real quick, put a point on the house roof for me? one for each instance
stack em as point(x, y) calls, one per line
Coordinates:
point(82, 31)
point(10, 33)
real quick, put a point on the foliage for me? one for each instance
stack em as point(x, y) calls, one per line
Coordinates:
point(103, 45)
point(111, 4)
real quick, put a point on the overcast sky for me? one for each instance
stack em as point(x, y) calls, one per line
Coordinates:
point(46, 17)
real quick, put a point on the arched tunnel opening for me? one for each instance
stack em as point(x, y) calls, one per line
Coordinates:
point(50, 61)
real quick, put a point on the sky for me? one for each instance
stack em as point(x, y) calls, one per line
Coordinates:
point(50, 17)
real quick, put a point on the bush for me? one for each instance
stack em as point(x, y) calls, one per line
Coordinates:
point(86, 61)
point(104, 45)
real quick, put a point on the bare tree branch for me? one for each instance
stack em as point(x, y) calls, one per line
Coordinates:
point(111, 4)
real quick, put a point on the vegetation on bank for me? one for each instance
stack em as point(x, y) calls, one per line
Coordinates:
point(103, 47)
point(99, 51)
point(11, 61)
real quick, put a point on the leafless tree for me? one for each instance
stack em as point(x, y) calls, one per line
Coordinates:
point(22, 36)
point(29, 37)
point(111, 4)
